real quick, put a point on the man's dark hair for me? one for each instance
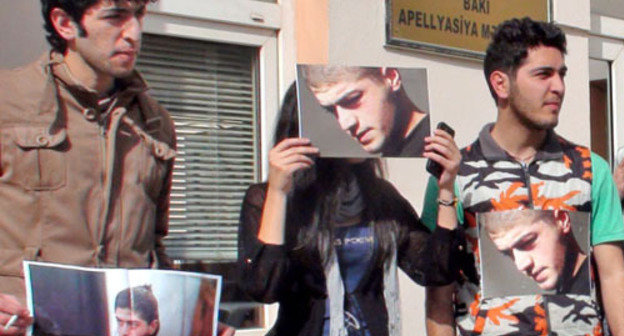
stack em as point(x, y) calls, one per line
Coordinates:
point(75, 9)
point(513, 39)
point(139, 300)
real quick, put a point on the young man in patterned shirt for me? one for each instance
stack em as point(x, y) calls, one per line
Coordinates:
point(519, 162)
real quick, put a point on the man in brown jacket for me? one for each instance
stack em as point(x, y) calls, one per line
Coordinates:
point(85, 154)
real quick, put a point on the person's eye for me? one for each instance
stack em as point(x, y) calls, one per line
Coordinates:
point(547, 73)
point(330, 109)
point(351, 100)
point(527, 242)
point(116, 15)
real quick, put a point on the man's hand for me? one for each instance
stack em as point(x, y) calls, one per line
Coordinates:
point(442, 149)
point(9, 306)
point(618, 177)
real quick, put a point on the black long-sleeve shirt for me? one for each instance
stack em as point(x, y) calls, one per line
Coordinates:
point(278, 273)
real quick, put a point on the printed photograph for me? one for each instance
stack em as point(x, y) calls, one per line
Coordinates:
point(167, 303)
point(526, 252)
point(67, 300)
point(356, 111)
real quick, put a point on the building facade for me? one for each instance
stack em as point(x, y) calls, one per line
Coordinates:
point(228, 64)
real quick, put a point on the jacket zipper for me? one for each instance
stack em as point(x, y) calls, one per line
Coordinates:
point(527, 181)
point(105, 132)
point(103, 150)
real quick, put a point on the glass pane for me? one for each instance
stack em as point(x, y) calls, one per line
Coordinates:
point(600, 108)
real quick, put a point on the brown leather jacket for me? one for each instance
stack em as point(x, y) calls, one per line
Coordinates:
point(80, 185)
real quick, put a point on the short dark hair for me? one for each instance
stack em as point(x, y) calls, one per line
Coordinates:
point(75, 9)
point(511, 42)
point(318, 76)
point(139, 300)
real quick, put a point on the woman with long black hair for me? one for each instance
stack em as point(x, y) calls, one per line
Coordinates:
point(324, 237)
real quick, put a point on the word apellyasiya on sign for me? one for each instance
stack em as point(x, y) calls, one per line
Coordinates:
point(461, 27)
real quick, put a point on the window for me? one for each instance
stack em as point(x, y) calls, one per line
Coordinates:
point(215, 31)
point(600, 109)
point(606, 70)
point(210, 91)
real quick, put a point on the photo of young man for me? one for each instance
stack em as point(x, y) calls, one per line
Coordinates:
point(372, 105)
point(136, 312)
point(541, 245)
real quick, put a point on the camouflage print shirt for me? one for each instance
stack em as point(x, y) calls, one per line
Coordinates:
point(561, 176)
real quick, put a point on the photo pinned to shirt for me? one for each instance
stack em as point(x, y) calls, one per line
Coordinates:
point(363, 111)
point(528, 252)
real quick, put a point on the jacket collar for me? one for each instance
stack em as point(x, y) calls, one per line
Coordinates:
point(550, 150)
point(128, 86)
point(55, 68)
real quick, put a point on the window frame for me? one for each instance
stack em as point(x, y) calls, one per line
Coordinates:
point(606, 42)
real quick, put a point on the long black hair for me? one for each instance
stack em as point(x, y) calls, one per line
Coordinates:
point(315, 198)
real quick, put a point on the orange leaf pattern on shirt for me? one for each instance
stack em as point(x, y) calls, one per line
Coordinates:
point(474, 306)
point(496, 314)
point(541, 323)
point(556, 203)
point(507, 200)
point(597, 330)
point(586, 157)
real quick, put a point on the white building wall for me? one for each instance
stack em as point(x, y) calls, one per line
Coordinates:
point(21, 32)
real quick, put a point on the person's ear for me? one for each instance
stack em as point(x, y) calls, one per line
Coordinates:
point(562, 219)
point(500, 83)
point(64, 25)
point(392, 77)
point(153, 327)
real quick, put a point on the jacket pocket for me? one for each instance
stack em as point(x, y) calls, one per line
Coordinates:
point(158, 156)
point(11, 260)
point(32, 158)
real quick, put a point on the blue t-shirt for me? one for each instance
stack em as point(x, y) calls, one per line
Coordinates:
point(354, 246)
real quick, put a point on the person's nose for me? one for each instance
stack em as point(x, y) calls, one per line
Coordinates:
point(346, 120)
point(132, 30)
point(558, 85)
point(523, 261)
